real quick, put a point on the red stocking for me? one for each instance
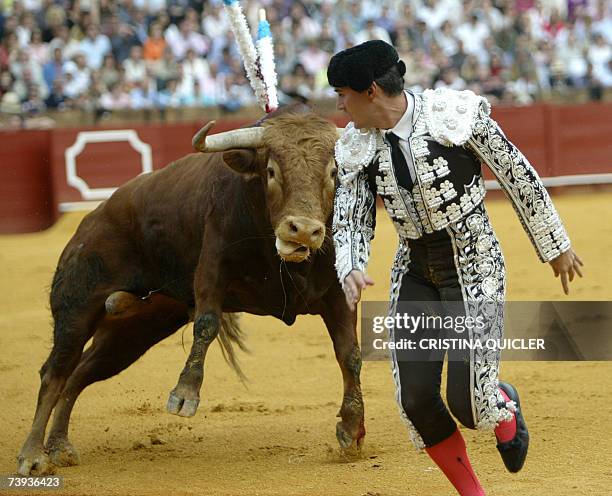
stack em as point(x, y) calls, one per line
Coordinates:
point(451, 457)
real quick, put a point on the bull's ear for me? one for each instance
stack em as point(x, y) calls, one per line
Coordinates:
point(243, 161)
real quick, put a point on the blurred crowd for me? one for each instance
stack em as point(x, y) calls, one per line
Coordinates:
point(104, 55)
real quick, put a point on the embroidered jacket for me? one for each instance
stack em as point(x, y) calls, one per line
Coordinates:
point(453, 134)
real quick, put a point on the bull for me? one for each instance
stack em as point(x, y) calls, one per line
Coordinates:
point(243, 227)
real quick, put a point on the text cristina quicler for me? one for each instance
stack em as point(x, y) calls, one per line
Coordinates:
point(459, 344)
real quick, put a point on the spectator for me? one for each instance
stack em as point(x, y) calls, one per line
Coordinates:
point(138, 23)
point(300, 25)
point(573, 59)
point(458, 58)
point(69, 45)
point(142, 95)
point(421, 37)
point(54, 69)
point(194, 69)
point(472, 34)
point(117, 98)
point(555, 27)
point(470, 69)
point(6, 82)
point(27, 24)
point(154, 46)
point(33, 103)
point(134, 66)
point(25, 70)
point(215, 24)
point(388, 21)
point(599, 53)
point(450, 78)
point(95, 46)
point(313, 59)
point(372, 32)
point(182, 39)
point(603, 74)
point(10, 105)
point(56, 99)
point(109, 73)
point(197, 98)
point(170, 96)
point(492, 16)
point(433, 14)
point(122, 39)
point(603, 25)
point(8, 49)
point(54, 18)
point(38, 50)
point(78, 76)
point(166, 69)
point(446, 39)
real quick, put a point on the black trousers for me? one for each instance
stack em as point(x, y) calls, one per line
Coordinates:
point(431, 279)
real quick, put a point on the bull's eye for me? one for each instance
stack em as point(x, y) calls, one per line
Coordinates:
point(270, 172)
point(334, 173)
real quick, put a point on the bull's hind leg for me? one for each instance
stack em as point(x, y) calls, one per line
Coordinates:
point(341, 325)
point(133, 326)
point(64, 357)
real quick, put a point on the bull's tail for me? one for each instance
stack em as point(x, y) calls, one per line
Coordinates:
point(230, 334)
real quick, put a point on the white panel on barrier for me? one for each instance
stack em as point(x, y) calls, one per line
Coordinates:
point(85, 137)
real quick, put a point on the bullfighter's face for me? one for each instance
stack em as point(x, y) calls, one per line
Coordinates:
point(357, 106)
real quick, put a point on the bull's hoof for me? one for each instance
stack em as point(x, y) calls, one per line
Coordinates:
point(179, 405)
point(34, 462)
point(346, 441)
point(344, 438)
point(62, 453)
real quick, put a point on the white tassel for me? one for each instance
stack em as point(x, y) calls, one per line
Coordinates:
point(265, 50)
point(247, 49)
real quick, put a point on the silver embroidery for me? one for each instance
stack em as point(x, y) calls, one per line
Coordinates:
point(450, 114)
point(522, 184)
point(355, 149)
point(399, 207)
point(481, 271)
point(353, 222)
point(400, 267)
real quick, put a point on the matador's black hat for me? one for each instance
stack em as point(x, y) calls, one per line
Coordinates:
point(357, 67)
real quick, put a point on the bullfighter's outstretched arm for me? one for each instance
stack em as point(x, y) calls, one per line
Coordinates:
point(521, 184)
point(354, 220)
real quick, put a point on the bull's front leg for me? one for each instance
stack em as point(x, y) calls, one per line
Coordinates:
point(209, 292)
point(341, 324)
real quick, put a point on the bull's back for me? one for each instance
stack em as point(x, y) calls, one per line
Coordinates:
point(149, 233)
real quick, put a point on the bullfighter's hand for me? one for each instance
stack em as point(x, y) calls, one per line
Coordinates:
point(566, 265)
point(354, 283)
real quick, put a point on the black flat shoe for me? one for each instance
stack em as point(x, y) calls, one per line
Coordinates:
point(514, 452)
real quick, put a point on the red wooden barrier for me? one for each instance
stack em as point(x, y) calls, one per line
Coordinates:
point(25, 190)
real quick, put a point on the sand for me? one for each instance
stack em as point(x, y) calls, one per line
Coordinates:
point(276, 434)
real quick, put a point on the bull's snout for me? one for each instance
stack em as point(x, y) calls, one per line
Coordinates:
point(296, 236)
point(302, 230)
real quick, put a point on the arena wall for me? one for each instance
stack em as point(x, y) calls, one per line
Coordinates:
point(44, 173)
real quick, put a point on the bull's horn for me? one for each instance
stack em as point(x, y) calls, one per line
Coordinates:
point(250, 137)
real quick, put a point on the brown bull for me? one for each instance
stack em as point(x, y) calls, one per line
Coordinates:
point(244, 228)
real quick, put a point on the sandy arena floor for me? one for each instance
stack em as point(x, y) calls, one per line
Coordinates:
point(276, 435)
